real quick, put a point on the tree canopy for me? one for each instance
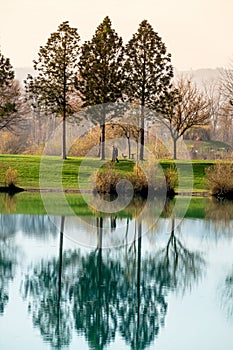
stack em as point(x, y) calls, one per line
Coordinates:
point(101, 77)
point(148, 71)
point(53, 87)
point(10, 101)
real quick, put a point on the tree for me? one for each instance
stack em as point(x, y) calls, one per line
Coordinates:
point(184, 108)
point(227, 82)
point(148, 70)
point(10, 96)
point(214, 93)
point(101, 78)
point(57, 68)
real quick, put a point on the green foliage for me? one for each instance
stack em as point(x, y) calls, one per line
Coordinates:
point(148, 66)
point(148, 70)
point(53, 88)
point(28, 169)
point(10, 103)
point(219, 180)
point(100, 67)
point(57, 68)
point(101, 78)
point(6, 71)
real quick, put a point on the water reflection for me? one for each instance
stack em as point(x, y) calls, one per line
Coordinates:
point(227, 295)
point(7, 265)
point(48, 302)
point(31, 225)
point(177, 266)
point(103, 292)
point(103, 295)
point(221, 215)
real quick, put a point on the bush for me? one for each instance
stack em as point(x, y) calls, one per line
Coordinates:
point(138, 180)
point(142, 179)
point(106, 179)
point(171, 179)
point(11, 177)
point(219, 180)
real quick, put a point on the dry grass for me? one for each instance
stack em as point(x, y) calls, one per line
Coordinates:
point(219, 180)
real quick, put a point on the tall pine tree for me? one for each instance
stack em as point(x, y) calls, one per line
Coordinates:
point(57, 69)
point(11, 103)
point(101, 76)
point(149, 71)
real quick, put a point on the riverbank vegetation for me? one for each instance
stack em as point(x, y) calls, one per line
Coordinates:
point(219, 180)
point(28, 170)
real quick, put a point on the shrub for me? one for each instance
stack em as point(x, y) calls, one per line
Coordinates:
point(138, 180)
point(171, 179)
point(143, 180)
point(11, 177)
point(106, 179)
point(219, 180)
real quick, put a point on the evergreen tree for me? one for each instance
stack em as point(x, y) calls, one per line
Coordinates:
point(10, 102)
point(149, 71)
point(57, 68)
point(100, 78)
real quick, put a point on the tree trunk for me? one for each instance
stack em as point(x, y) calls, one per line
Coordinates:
point(129, 147)
point(142, 136)
point(60, 256)
point(174, 148)
point(139, 277)
point(102, 145)
point(102, 155)
point(64, 137)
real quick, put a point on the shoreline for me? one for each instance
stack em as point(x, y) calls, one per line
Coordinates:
point(185, 193)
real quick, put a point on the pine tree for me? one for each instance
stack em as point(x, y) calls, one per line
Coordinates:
point(10, 101)
point(100, 80)
point(149, 71)
point(57, 69)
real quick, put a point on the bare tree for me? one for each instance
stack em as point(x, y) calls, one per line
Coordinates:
point(185, 108)
point(217, 100)
point(227, 82)
point(225, 124)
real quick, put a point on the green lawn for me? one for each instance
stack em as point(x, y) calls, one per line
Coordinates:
point(34, 173)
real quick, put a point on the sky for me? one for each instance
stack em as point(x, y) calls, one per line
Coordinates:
point(197, 33)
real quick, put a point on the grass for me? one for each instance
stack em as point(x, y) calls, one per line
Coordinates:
point(30, 173)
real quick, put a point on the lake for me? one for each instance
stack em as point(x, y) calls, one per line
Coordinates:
point(143, 279)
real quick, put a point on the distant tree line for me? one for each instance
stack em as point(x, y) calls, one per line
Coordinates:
point(102, 72)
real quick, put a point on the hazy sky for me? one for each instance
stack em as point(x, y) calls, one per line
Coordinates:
point(198, 33)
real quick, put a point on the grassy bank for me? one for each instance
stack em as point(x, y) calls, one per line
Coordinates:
point(32, 204)
point(29, 171)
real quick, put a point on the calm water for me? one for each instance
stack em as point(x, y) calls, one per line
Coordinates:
point(164, 286)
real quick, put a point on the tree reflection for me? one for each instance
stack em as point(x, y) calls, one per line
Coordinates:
point(221, 215)
point(47, 299)
point(142, 301)
point(103, 292)
point(7, 269)
point(227, 295)
point(177, 266)
point(94, 296)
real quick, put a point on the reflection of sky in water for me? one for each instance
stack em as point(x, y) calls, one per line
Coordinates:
point(193, 321)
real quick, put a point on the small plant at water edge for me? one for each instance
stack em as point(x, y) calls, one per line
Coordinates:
point(219, 180)
point(11, 177)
